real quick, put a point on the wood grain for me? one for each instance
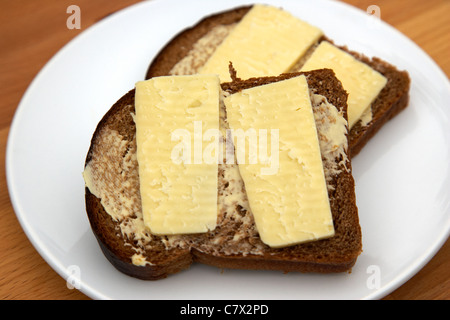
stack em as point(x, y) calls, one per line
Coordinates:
point(33, 31)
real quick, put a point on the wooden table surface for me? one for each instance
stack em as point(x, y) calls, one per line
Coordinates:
point(33, 31)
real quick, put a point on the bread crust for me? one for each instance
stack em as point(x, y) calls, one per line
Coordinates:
point(390, 102)
point(336, 254)
point(182, 43)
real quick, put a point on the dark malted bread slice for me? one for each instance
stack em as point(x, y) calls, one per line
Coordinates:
point(391, 100)
point(114, 210)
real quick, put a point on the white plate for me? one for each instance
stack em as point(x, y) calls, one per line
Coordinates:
point(402, 176)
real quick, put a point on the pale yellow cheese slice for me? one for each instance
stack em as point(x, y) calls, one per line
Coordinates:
point(362, 83)
point(177, 169)
point(285, 185)
point(266, 42)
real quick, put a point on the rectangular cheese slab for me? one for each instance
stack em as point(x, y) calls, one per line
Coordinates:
point(362, 83)
point(290, 205)
point(266, 42)
point(177, 169)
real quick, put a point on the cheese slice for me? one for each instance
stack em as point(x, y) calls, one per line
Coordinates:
point(362, 83)
point(177, 169)
point(290, 205)
point(267, 41)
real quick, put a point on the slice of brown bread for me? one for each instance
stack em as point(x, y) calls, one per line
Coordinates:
point(114, 210)
point(392, 99)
